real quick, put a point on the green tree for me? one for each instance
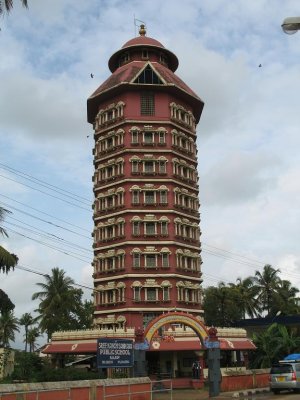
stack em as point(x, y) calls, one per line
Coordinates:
point(220, 305)
point(284, 300)
point(7, 5)
point(26, 320)
point(85, 314)
point(246, 294)
point(9, 324)
point(6, 304)
point(7, 260)
point(266, 284)
point(273, 344)
point(33, 334)
point(59, 303)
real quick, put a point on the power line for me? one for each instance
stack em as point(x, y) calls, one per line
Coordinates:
point(41, 182)
point(63, 251)
point(245, 262)
point(47, 235)
point(48, 194)
point(41, 212)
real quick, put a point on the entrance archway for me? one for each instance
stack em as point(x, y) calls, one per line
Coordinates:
point(176, 318)
point(170, 358)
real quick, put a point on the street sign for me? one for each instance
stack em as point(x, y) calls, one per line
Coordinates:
point(114, 353)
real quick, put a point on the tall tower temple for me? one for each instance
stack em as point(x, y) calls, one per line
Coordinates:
point(146, 211)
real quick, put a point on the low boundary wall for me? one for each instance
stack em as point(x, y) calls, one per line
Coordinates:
point(250, 379)
point(99, 389)
point(124, 389)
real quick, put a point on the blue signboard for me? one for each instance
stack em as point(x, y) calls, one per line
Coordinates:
point(114, 353)
point(142, 346)
point(212, 344)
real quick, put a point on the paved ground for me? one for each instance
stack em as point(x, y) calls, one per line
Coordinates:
point(202, 394)
point(188, 394)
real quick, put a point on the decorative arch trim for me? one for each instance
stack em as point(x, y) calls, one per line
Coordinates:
point(177, 318)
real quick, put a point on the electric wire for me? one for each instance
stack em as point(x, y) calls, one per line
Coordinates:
point(48, 194)
point(211, 250)
point(42, 212)
point(47, 235)
point(63, 251)
point(42, 183)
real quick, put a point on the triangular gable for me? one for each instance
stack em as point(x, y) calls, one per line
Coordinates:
point(148, 75)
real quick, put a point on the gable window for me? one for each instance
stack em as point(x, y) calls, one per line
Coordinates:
point(149, 76)
point(147, 103)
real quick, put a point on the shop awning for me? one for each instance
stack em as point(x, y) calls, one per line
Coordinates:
point(71, 348)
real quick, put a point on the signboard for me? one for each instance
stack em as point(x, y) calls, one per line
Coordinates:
point(114, 353)
point(212, 344)
point(142, 346)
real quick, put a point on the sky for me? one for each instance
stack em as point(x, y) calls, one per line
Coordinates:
point(233, 54)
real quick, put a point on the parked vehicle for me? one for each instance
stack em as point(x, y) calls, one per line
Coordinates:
point(285, 375)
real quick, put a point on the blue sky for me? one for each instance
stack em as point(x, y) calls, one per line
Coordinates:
point(248, 136)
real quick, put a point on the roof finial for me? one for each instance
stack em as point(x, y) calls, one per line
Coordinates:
point(142, 30)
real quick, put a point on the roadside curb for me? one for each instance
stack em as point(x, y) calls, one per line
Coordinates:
point(247, 393)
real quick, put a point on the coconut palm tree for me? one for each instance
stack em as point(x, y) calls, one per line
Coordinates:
point(7, 260)
point(266, 284)
point(9, 324)
point(26, 320)
point(33, 334)
point(285, 300)
point(247, 293)
point(59, 302)
point(7, 5)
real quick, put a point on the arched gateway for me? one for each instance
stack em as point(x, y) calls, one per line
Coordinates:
point(176, 318)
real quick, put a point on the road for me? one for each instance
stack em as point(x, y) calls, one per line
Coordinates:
point(281, 396)
point(200, 395)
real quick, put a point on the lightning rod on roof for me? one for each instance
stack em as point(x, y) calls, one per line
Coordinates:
point(137, 24)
